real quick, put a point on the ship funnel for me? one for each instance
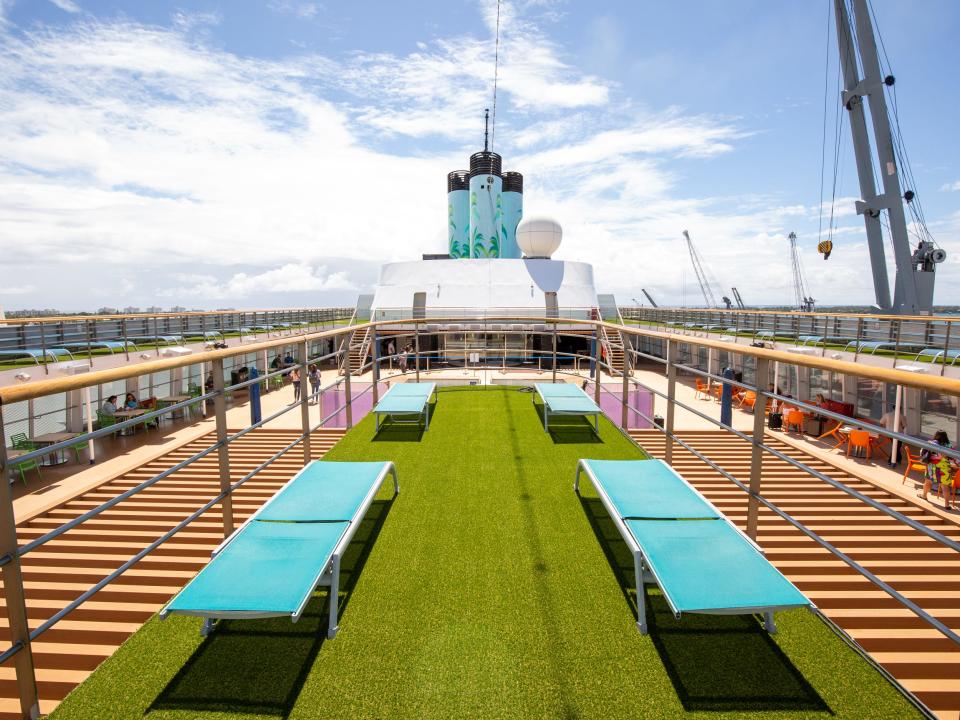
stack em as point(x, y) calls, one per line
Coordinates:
point(458, 211)
point(512, 214)
point(486, 204)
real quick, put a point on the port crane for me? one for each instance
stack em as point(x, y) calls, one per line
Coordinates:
point(652, 303)
point(804, 302)
point(708, 296)
point(738, 299)
point(916, 270)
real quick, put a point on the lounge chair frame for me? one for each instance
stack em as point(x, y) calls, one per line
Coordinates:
point(644, 571)
point(329, 575)
point(547, 412)
point(423, 412)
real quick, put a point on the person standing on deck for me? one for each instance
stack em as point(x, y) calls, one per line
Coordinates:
point(295, 381)
point(939, 470)
point(313, 375)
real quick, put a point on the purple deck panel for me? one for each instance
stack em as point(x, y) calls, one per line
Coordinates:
point(333, 400)
point(638, 399)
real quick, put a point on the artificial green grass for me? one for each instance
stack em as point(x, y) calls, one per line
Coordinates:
point(487, 589)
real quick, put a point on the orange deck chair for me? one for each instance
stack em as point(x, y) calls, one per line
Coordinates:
point(913, 465)
point(859, 439)
point(795, 419)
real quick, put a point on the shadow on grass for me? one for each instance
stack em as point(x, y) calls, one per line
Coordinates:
point(259, 666)
point(403, 430)
point(715, 662)
point(570, 429)
point(399, 432)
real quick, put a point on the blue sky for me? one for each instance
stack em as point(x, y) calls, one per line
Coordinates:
point(274, 152)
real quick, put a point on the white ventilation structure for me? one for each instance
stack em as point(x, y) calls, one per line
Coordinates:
point(539, 237)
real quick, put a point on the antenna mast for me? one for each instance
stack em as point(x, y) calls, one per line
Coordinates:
point(486, 128)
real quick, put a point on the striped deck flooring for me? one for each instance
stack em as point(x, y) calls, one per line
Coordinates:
point(922, 659)
point(62, 569)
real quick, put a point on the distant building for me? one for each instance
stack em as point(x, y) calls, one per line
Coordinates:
point(107, 311)
point(154, 309)
point(130, 310)
point(178, 309)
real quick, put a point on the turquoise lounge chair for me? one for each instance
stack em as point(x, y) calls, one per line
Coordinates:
point(566, 399)
point(405, 399)
point(700, 560)
point(270, 566)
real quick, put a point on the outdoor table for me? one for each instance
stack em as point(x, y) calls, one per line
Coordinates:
point(60, 456)
point(123, 415)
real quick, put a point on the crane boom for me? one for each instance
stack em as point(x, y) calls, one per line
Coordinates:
point(916, 271)
point(708, 296)
point(652, 303)
point(803, 301)
point(736, 296)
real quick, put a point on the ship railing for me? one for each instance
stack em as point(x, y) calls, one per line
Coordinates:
point(933, 339)
point(550, 330)
point(152, 331)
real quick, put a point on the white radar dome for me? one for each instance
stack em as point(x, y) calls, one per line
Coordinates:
point(539, 237)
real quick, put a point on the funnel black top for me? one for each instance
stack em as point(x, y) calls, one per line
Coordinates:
point(485, 163)
point(513, 182)
point(458, 180)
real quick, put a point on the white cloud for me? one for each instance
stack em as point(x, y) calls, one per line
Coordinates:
point(291, 278)
point(951, 187)
point(152, 158)
point(305, 10)
point(67, 5)
point(17, 289)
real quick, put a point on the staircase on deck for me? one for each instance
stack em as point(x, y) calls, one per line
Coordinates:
point(612, 341)
point(918, 656)
point(359, 352)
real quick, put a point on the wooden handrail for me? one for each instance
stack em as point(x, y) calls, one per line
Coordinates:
point(17, 393)
point(792, 313)
point(147, 315)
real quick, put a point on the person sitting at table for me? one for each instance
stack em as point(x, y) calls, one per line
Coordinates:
point(288, 360)
point(110, 406)
point(130, 402)
point(940, 470)
point(275, 364)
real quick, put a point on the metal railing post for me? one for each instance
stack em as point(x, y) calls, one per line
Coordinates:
point(596, 365)
point(13, 594)
point(375, 365)
point(305, 399)
point(416, 349)
point(671, 399)
point(554, 351)
point(347, 371)
point(946, 348)
point(123, 333)
point(625, 391)
point(223, 452)
point(43, 349)
point(88, 324)
point(756, 454)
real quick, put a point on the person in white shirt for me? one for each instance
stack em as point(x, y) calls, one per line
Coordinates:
point(886, 422)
